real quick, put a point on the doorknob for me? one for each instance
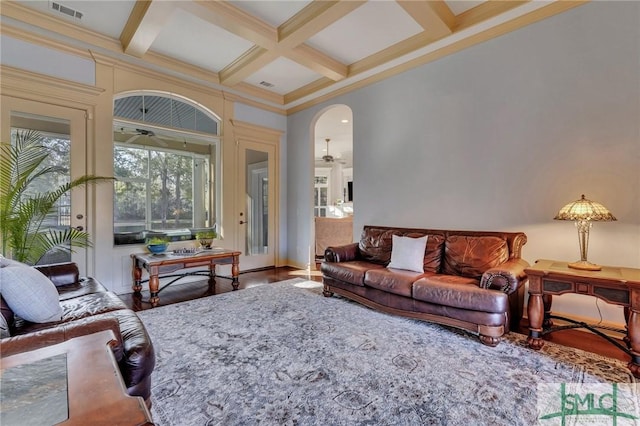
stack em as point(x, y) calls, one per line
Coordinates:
point(80, 228)
point(242, 222)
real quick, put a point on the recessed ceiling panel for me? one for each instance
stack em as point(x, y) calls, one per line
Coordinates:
point(274, 13)
point(379, 24)
point(104, 17)
point(460, 6)
point(191, 39)
point(284, 74)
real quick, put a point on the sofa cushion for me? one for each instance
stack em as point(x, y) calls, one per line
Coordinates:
point(375, 244)
point(351, 272)
point(90, 304)
point(397, 281)
point(433, 254)
point(459, 292)
point(29, 293)
point(471, 256)
point(408, 253)
point(82, 287)
point(75, 309)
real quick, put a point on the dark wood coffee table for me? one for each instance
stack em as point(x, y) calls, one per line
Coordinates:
point(89, 382)
point(164, 265)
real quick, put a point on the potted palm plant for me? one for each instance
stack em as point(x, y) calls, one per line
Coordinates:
point(23, 210)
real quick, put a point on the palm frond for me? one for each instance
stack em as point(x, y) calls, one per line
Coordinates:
point(23, 213)
point(51, 240)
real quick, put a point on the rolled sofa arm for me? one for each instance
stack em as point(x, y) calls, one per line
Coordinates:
point(341, 253)
point(507, 277)
point(61, 333)
point(60, 273)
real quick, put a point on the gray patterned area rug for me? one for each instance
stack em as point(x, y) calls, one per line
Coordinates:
point(282, 354)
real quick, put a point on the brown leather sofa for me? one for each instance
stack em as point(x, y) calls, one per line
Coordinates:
point(472, 280)
point(87, 308)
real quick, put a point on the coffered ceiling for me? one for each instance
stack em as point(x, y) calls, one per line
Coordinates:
point(285, 54)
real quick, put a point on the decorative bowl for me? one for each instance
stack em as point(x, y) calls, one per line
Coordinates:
point(205, 242)
point(157, 248)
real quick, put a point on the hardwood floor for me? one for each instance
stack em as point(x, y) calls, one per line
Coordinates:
point(181, 292)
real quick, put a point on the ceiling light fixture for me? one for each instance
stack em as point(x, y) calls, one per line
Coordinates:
point(344, 121)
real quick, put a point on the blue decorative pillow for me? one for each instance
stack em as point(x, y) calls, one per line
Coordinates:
point(28, 292)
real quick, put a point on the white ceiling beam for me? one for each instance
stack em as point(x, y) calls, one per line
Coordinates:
point(271, 42)
point(234, 20)
point(144, 24)
point(319, 62)
point(434, 17)
point(487, 10)
point(251, 61)
point(314, 18)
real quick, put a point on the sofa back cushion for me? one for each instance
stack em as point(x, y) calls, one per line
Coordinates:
point(471, 255)
point(376, 242)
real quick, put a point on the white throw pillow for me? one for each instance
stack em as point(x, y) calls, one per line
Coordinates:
point(29, 293)
point(408, 253)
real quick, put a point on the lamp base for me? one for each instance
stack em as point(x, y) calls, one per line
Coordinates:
point(585, 266)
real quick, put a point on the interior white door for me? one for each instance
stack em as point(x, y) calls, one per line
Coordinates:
point(256, 205)
point(64, 131)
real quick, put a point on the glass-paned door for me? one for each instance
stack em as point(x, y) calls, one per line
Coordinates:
point(63, 132)
point(321, 192)
point(257, 205)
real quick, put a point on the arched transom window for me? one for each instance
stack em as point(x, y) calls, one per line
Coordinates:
point(167, 166)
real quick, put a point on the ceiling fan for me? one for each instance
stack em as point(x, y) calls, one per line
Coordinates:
point(328, 158)
point(138, 133)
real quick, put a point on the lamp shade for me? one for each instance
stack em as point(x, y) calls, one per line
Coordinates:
point(585, 210)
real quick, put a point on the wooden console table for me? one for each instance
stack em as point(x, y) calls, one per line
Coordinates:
point(615, 285)
point(163, 265)
point(88, 381)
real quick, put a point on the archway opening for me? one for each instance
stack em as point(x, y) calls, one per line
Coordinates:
point(333, 185)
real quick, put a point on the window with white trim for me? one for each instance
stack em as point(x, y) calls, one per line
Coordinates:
point(167, 167)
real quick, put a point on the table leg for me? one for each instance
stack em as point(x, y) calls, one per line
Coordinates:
point(633, 333)
point(235, 272)
point(535, 310)
point(547, 299)
point(137, 277)
point(154, 285)
point(627, 314)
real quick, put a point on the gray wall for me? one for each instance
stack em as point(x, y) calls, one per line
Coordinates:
point(499, 137)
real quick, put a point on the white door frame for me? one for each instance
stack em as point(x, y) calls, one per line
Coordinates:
point(264, 139)
point(78, 167)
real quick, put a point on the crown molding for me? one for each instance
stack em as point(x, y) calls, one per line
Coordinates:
point(19, 82)
point(197, 74)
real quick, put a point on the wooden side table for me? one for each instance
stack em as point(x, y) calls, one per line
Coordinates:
point(161, 266)
point(95, 393)
point(615, 285)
